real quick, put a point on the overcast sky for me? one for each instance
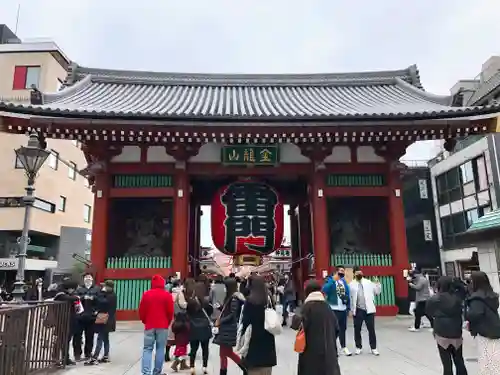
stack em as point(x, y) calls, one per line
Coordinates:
point(447, 39)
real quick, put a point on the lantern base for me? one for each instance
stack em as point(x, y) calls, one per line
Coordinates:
point(247, 260)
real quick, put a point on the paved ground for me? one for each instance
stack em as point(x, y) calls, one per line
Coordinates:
point(401, 353)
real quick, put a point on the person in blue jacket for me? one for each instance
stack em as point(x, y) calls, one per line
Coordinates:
point(337, 293)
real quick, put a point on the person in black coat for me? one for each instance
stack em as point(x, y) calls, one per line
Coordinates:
point(321, 329)
point(199, 311)
point(105, 306)
point(227, 324)
point(65, 294)
point(445, 308)
point(86, 321)
point(261, 355)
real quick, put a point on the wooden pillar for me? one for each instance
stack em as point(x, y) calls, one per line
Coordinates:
point(319, 225)
point(100, 225)
point(397, 229)
point(180, 245)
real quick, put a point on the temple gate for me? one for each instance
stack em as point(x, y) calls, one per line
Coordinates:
point(160, 145)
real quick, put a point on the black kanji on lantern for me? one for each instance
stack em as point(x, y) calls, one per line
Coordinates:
point(249, 213)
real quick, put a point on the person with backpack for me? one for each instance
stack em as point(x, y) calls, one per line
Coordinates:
point(484, 322)
point(156, 311)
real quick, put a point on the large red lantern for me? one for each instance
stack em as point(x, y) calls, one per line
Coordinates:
point(247, 218)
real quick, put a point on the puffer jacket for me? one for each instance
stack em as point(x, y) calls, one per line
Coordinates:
point(228, 322)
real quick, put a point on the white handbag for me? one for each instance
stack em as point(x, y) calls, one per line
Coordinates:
point(272, 321)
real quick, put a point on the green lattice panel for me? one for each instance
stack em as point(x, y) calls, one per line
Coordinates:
point(139, 262)
point(355, 180)
point(361, 259)
point(129, 293)
point(142, 181)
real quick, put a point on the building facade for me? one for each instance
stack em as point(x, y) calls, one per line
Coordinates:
point(465, 179)
point(63, 196)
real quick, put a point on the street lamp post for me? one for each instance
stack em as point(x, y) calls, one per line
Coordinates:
point(32, 158)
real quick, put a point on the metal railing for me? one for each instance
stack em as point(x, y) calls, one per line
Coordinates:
point(34, 337)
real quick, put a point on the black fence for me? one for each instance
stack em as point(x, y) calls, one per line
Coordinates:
point(33, 337)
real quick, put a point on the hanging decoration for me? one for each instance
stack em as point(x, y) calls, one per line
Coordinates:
point(247, 218)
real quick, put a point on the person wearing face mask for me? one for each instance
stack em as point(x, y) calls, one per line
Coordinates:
point(88, 294)
point(363, 293)
point(336, 290)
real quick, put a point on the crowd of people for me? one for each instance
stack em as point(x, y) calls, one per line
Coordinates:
point(182, 318)
point(92, 318)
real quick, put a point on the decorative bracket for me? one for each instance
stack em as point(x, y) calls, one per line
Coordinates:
point(317, 154)
point(183, 152)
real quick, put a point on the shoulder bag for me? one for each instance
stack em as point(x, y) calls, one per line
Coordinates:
point(300, 340)
point(102, 318)
point(272, 321)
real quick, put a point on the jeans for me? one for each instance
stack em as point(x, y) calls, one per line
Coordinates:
point(369, 319)
point(204, 352)
point(452, 355)
point(102, 339)
point(87, 327)
point(342, 319)
point(153, 339)
point(419, 313)
point(287, 302)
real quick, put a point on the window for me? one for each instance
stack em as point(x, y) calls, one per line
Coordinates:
point(482, 175)
point(62, 203)
point(72, 170)
point(466, 172)
point(86, 213)
point(26, 77)
point(53, 159)
point(472, 216)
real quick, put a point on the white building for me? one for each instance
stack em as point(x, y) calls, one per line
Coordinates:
point(465, 180)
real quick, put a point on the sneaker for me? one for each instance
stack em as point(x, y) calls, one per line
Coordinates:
point(104, 359)
point(375, 352)
point(205, 371)
point(346, 352)
point(69, 362)
point(413, 329)
point(91, 362)
point(358, 351)
point(192, 371)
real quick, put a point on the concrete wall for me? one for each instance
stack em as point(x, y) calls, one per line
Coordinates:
point(72, 241)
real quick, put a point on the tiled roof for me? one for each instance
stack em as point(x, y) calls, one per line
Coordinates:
point(381, 95)
point(489, 221)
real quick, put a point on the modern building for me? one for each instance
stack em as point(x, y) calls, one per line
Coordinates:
point(465, 178)
point(63, 196)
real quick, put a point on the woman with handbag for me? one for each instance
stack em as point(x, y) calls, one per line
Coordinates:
point(484, 323)
point(105, 322)
point(316, 340)
point(259, 349)
point(227, 325)
point(198, 310)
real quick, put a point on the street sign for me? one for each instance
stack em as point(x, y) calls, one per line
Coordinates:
point(7, 264)
point(250, 155)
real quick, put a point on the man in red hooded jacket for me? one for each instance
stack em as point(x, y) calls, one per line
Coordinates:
point(156, 312)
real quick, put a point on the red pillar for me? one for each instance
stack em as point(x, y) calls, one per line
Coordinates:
point(100, 225)
point(319, 224)
point(397, 229)
point(180, 224)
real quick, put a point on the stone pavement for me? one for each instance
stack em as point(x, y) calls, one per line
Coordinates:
point(401, 353)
